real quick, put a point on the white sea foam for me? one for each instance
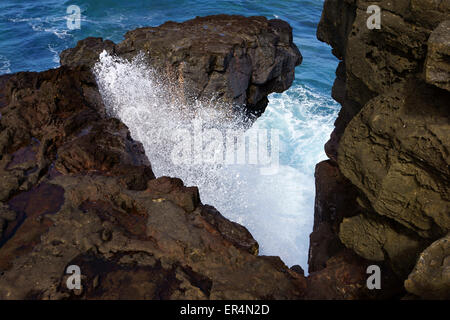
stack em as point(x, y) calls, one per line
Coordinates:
point(55, 25)
point(59, 32)
point(55, 53)
point(277, 209)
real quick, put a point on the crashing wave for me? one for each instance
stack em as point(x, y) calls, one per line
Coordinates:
point(276, 207)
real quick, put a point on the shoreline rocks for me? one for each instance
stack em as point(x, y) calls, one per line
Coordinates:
point(391, 138)
point(235, 60)
point(76, 189)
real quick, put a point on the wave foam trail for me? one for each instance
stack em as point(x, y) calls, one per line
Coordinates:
point(277, 209)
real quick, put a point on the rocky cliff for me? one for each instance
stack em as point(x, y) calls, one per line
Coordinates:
point(223, 58)
point(75, 189)
point(384, 194)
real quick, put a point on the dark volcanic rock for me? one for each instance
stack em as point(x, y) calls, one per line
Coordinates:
point(345, 278)
point(233, 59)
point(437, 65)
point(124, 239)
point(335, 199)
point(377, 239)
point(86, 52)
point(76, 189)
point(391, 138)
point(403, 169)
point(431, 276)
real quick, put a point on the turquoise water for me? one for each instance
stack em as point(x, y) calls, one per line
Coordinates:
point(278, 209)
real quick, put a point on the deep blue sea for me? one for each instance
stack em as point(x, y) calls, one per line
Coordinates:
point(277, 209)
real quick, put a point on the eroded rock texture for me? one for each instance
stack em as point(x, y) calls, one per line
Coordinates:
point(75, 189)
point(392, 139)
point(431, 276)
point(437, 64)
point(226, 58)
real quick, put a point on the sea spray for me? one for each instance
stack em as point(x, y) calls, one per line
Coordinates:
point(276, 208)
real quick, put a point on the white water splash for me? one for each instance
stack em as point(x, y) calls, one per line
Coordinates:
point(277, 209)
point(55, 53)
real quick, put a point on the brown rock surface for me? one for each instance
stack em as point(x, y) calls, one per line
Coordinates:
point(345, 278)
point(431, 275)
point(396, 151)
point(437, 66)
point(139, 244)
point(391, 139)
point(335, 199)
point(76, 189)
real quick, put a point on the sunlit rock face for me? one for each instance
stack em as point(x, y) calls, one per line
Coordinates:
point(391, 139)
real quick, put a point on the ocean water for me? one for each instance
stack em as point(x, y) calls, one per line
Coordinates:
point(278, 209)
